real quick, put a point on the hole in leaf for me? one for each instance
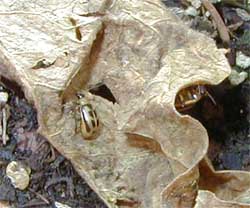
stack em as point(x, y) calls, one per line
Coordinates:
point(227, 123)
point(103, 91)
point(187, 97)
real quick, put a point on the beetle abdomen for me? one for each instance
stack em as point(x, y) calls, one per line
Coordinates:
point(90, 122)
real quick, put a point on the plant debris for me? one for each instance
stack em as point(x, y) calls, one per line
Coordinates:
point(4, 114)
point(146, 154)
point(221, 27)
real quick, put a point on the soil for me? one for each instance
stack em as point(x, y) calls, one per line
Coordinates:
point(53, 178)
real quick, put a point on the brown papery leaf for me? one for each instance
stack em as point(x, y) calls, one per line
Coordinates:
point(145, 153)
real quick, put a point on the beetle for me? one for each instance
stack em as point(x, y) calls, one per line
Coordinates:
point(187, 97)
point(89, 119)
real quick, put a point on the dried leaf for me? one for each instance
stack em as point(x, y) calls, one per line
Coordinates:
point(146, 154)
point(209, 200)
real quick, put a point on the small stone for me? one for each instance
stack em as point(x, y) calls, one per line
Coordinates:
point(242, 60)
point(3, 97)
point(243, 14)
point(207, 14)
point(236, 78)
point(60, 205)
point(18, 173)
point(191, 11)
point(196, 3)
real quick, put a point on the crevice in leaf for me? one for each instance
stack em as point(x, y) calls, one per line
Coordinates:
point(93, 14)
point(139, 141)
point(84, 73)
point(77, 29)
point(127, 203)
point(208, 180)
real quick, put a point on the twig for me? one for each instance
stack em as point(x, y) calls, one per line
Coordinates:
point(33, 204)
point(4, 122)
point(221, 27)
point(68, 181)
point(40, 196)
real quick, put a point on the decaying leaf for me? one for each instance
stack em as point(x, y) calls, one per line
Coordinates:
point(145, 154)
point(208, 199)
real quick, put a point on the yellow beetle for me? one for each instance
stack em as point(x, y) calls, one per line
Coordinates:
point(187, 97)
point(89, 118)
